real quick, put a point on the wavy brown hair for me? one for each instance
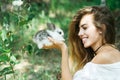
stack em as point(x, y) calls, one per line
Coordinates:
point(79, 55)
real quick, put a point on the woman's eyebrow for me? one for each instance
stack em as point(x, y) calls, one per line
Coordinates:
point(83, 25)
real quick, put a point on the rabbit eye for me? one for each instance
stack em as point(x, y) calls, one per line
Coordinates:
point(60, 32)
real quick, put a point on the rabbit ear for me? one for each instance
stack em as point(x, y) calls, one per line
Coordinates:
point(51, 26)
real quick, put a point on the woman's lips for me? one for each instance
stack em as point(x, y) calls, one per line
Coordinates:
point(84, 39)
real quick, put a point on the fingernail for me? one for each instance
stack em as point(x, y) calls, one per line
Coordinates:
point(49, 37)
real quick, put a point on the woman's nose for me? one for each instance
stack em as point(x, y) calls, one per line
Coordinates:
point(80, 33)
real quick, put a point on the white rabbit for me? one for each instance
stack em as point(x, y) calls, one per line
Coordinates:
point(41, 37)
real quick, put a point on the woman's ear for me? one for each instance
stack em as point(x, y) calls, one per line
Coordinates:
point(102, 30)
point(103, 27)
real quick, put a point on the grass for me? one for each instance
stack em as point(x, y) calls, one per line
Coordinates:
point(40, 66)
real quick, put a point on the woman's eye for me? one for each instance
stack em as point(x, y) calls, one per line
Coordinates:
point(84, 28)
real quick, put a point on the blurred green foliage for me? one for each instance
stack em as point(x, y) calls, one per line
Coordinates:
point(18, 24)
point(7, 59)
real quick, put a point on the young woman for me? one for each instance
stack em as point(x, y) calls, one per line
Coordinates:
point(93, 55)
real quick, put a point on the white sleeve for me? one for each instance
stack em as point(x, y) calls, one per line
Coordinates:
point(83, 74)
point(97, 72)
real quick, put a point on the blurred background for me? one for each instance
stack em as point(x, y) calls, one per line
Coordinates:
point(20, 58)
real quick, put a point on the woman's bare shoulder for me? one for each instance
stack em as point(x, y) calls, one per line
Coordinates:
point(107, 57)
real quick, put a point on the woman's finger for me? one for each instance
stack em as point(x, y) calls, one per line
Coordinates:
point(51, 39)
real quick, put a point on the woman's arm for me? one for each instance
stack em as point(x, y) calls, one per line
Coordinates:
point(66, 75)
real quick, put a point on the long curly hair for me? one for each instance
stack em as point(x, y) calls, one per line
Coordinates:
point(79, 55)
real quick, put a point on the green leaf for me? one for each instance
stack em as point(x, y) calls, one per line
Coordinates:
point(13, 59)
point(3, 35)
point(23, 22)
point(4, 58)
point(4, 50)
point(29, 48)
point(6, 70)
point(30, 17)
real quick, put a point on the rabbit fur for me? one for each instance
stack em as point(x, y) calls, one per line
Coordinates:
point(41, 37)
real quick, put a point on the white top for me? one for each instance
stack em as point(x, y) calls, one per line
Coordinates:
point(92, 71)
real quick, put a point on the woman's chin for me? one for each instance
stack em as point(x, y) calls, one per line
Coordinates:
point(86, 46)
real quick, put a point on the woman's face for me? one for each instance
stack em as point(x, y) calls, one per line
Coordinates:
point(88, 33)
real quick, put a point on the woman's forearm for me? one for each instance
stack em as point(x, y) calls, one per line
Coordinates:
point(66, 75)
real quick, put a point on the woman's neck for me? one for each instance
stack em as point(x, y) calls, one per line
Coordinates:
point(97, 46)
point(104, 47)
point(97, 49)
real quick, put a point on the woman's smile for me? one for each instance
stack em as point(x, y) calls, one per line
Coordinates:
point(84, 40)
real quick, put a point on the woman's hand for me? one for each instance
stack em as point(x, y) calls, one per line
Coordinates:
point(56, 44)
